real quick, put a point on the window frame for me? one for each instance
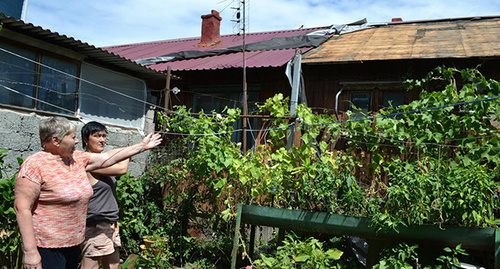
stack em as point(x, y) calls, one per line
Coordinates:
point(376, 89)
point(39, 48)
point(253, 94)
point(35, 93)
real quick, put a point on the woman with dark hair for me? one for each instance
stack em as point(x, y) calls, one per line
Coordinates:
point(52, 193)
point(102, 238)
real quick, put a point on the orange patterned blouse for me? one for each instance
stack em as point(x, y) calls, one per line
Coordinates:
point(60, 212)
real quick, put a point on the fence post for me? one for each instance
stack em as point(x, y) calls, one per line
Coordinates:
point(497, 249)
point(236, 240)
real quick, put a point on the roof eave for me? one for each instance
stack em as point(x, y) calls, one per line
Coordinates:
point(88, 51)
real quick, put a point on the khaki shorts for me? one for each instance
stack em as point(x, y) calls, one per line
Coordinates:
point(101, 239)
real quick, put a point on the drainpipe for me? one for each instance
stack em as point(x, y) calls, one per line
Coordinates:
point(337, 103)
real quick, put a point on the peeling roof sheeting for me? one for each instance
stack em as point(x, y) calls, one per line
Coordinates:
point(257, 58)
point(278, 43)
point(447, 38)
point(89, 51)
point(263, 58)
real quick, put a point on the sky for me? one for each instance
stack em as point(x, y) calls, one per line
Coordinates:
point(116, 22)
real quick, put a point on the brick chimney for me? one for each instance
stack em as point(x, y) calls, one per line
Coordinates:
point(210, 30)
point(397, 19)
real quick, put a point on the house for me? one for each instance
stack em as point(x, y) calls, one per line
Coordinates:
point(366, 68)
point(214, 64)
point(358, 64)
point(44, 73)
point(213, 69)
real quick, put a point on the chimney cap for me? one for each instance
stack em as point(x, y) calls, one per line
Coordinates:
point(396, 19)
point(214, 14)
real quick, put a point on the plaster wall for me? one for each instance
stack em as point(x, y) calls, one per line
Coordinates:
point(19, 135)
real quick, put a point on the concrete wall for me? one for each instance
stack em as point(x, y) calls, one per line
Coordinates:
point(19, 135)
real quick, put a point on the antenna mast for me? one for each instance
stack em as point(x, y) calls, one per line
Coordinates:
point(240, 20)
point(245, 94)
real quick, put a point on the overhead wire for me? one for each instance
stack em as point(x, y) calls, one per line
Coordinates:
point(44, 102)
point(396, 114)
point(106, 88)
point(401, 141)
point(417, 144)
point(77, 78)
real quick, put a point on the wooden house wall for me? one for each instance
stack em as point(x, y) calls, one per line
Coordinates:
point(323, 81)
point(270, 81)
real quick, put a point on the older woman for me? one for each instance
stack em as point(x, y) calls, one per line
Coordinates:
point(52, 193)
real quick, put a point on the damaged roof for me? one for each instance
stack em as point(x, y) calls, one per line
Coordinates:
point(446, 38)
point(264, 49)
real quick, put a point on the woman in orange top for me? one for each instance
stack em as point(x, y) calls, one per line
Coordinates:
point(52, 192)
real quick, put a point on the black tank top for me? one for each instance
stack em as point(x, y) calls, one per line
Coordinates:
point(103, 206)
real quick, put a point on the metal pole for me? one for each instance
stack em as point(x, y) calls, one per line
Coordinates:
point(236, 243)
point(25, 10)
point(245, 107)
point(167, 89)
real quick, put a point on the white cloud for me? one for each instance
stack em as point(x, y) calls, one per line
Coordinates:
point(111, 22)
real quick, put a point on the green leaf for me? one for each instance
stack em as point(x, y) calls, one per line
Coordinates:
point(334, 254)
point(301, 258)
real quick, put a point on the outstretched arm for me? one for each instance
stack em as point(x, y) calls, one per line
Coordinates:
point(118, 169)
point(102, 160)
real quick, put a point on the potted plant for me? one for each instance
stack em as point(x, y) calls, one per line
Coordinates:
point(154, 242)
point(156, 253)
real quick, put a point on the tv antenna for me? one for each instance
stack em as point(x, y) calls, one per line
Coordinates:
point(240, 19)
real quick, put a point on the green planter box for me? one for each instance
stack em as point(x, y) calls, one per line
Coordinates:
point(325, 223)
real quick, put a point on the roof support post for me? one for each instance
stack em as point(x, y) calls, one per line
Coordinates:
point(293, 72)
point(167, 89)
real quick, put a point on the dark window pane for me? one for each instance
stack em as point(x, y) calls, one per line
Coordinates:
point(58, 82)
point(361, 101)
point(394, 98)
point(211, 99)
point(17, 75)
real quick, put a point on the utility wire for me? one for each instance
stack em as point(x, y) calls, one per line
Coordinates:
point(47, 103)
point(28, 71)
point(396, 114)
point(418, 144)
point(290, 125)
point(77, 78)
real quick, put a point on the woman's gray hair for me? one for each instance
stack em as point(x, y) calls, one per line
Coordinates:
point(55, 126)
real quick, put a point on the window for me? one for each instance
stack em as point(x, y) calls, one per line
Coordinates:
point(361, 101)
point(393, 98)
point(58, 80)
point(35, 80)
point(216, 99)
point(366, 97)
point(112, 97)
point(17, 76)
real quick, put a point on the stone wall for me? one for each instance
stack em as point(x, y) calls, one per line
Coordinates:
point(19, 135)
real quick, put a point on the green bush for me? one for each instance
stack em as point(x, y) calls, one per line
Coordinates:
point(295, 253)
point(11, 254)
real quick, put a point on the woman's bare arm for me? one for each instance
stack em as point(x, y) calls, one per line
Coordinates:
point(117, 169)
point(26, 193)
point(102, 160)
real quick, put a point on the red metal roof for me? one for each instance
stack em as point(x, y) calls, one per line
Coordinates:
point(263, 58)
point(260, 58)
